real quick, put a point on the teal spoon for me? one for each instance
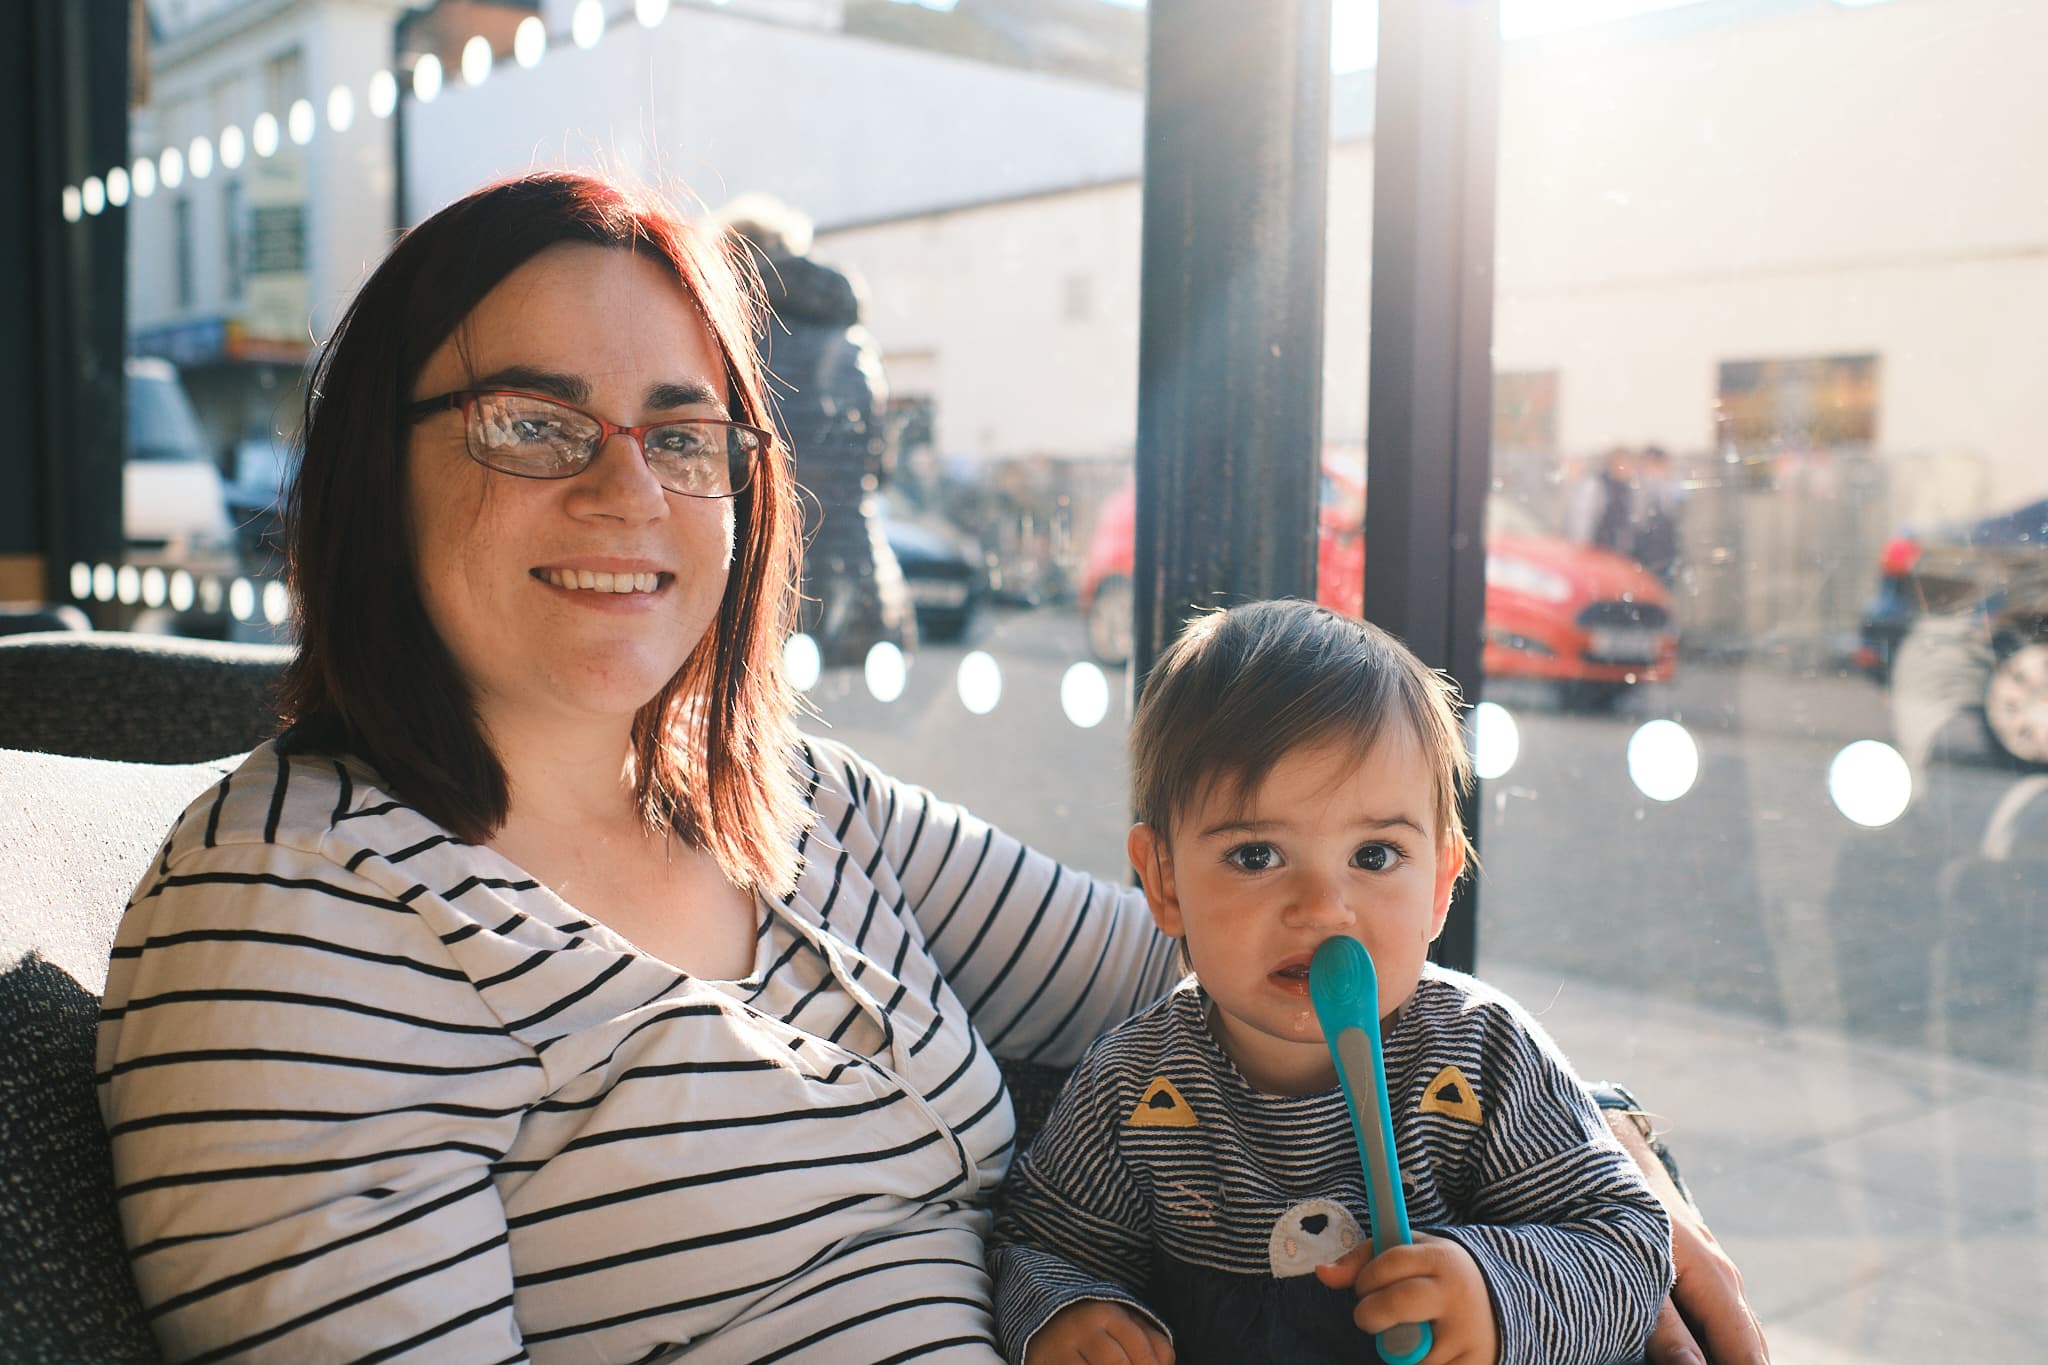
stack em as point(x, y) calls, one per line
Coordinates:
point(1346, 992)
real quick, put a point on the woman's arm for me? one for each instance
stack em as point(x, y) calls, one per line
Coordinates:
point(1705, 1318)
point(1072, 1225)
point(305, 1098)
point(1044, 957)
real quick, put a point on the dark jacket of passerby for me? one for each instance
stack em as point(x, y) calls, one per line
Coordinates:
point(830, 395)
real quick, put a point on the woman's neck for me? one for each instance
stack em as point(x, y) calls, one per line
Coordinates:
point(561, 775)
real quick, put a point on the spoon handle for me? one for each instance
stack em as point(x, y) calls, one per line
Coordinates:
point(1345, 990)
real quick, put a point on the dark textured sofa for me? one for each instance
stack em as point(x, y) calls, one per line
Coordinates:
point(76, 832)
point(126, 730)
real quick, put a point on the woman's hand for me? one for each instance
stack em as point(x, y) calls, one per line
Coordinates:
point(1097, 1332)
point(1434, 1281)
point(1705, 1320)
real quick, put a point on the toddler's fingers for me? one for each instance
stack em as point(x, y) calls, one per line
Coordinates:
point(1140, 1342)
point(1417, 1299)
point(1342, 1273)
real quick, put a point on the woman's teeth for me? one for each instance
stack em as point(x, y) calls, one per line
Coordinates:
point(587, 581)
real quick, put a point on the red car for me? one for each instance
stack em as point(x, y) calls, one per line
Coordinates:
point(1593, 621)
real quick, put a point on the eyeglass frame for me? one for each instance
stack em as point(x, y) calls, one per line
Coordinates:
point(462, 400)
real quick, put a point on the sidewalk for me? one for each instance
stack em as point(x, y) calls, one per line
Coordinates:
point(1885, 1207)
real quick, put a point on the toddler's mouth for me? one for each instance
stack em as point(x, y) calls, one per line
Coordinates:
point(1291, 976)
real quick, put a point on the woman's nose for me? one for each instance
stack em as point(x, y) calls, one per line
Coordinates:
point(619, 482)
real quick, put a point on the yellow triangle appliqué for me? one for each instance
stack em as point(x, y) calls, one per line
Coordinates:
point(1450, 1093)
point(1162, 1106)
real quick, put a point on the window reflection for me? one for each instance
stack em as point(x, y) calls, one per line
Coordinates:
point(1765, 709)
point(1788, 885)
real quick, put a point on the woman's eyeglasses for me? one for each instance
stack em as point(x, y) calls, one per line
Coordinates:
point(531, 437)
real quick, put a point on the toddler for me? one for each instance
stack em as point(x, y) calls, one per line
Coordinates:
point(1197, 1194)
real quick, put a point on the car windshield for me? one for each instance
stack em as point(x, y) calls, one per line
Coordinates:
point(161, 424)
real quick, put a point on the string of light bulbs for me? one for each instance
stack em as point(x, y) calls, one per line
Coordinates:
point(300, 122)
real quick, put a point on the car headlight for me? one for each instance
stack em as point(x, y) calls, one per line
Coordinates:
point(1519, 575)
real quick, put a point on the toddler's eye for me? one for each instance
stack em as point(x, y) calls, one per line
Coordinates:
point(1377, 857)
point(1253, 857)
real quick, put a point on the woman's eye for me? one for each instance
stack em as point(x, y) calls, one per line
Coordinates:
point(1253, 857)
point(1377, 857)
point(684, 441)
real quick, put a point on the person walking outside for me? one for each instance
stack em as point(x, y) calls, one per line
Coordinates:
point(830, 395)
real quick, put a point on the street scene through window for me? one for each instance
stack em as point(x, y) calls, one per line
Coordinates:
point(1761, 728)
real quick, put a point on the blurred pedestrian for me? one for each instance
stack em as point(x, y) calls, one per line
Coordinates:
point(830, 396)
point(1657, 498)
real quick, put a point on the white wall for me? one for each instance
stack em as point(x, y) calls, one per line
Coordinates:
point(719, 104)
point(986, 293)
point(1822, 182)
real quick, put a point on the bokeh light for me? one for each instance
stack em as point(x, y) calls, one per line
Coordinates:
point(383, 94)
point(1496, 741)
point(586, 26)
point(980, 681)
point(1663, 760)
point(476, 60)
point(801, 662)
point(1870, 783)
point(426, 78)
point(1084, 695)
point(530, 41)
point(886, 672)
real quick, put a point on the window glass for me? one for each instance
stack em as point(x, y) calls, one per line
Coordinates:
point(1765, 742)
point(948, 204)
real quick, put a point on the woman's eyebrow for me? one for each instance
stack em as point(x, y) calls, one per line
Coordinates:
point(571, 388)
point(686, 394)
point(547, 383)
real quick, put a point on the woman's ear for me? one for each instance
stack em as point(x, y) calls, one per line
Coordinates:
point(1149, 854)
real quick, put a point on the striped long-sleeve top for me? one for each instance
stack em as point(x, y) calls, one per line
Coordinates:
point(375, 1094)
point(1164, 1181)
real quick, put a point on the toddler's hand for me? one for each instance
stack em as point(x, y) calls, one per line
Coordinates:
point(1097, 1332)
point(1434, 1281)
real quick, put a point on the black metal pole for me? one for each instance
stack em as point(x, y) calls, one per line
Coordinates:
point(1429, 422)
point(1230, 333)
point(70, 382)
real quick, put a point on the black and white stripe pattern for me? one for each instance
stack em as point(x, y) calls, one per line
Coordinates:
point(1575, 1248)
point(375, 1094)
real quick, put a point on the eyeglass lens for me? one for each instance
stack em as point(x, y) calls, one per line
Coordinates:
point(535, 438)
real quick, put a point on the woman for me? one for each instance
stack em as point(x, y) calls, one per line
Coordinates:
point(539, 993)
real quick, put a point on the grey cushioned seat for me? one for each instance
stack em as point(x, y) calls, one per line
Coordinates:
point(75, 837)
point(137, 698)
